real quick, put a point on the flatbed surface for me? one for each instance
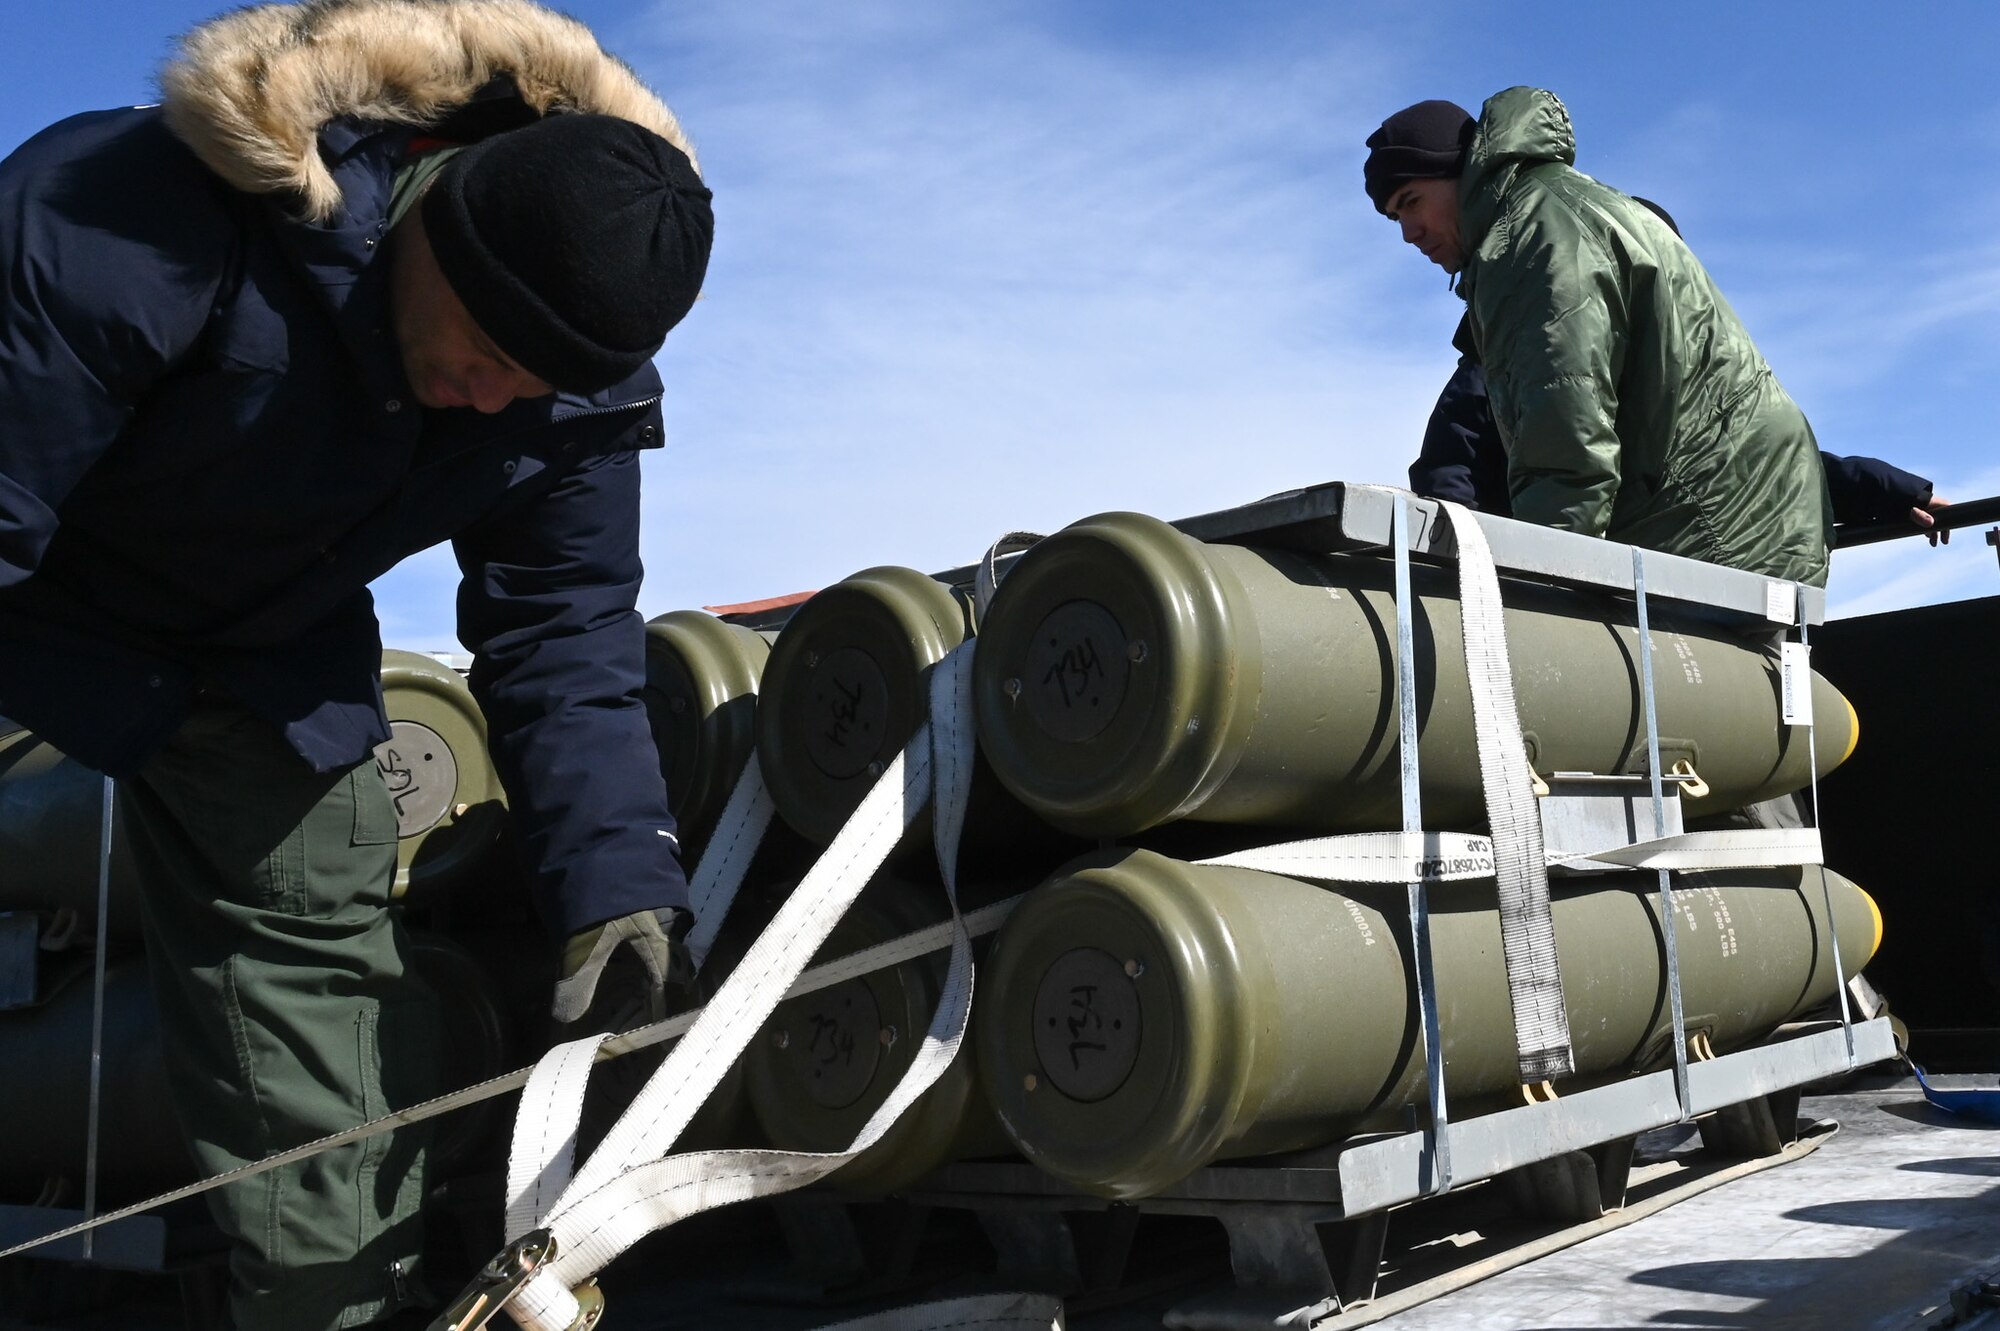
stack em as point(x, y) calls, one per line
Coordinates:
point(1872, 1230)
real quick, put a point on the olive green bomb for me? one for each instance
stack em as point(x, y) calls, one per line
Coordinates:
point(826, 1061)
point(1140, 1017)
point(1129, 676)
point(450, 808)
point(702, 677)
point(846, 688)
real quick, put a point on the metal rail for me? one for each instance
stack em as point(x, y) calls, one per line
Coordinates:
point(1971, 513)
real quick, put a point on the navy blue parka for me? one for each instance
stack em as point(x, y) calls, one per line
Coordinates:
point(208, 450)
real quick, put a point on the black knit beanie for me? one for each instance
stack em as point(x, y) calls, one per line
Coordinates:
point(1422, 142)
point(575, 243)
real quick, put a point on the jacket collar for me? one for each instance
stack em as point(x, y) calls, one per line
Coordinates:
point(256, 93)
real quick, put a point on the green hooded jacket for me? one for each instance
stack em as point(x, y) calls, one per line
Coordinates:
point(1632, 402)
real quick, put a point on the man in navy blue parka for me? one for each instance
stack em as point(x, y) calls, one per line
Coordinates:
point(372, 277)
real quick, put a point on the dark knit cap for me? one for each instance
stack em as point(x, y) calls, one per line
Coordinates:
point(575, 242)
point(1422, 142)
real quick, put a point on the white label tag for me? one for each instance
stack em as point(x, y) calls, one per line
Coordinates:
point(1779, 602)
point(1795, 683)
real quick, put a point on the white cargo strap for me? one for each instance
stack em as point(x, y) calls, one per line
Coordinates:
point(1527, 930)
point(1456, 857)
point(1730, 848)
point(540, 1166)
point(986, 580)
point(626, 1190)
point(893, 952)
point(1372, 857)
point(726, 860)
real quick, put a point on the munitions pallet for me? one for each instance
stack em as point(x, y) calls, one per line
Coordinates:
point(1306, 1232)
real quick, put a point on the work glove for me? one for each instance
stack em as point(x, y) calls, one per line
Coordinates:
point(619, 973)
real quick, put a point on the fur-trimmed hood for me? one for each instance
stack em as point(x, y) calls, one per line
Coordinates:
point(249, 91)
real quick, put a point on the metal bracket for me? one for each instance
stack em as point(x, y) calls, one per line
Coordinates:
point(1286, 1273)
point(1586, 809)
point(1575, 1186)
point(1753, 1129)
point(1387, 1171)
point(1438, 1156)
point(1655, 780)
point(1975, 1298)
point(1036, 1248)
point(500, 1282)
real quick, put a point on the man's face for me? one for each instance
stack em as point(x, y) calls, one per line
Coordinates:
point(447, 359)
point(1427, 210)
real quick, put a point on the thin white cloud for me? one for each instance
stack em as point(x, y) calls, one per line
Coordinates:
point(1866, 317)
point(1000, 267)
point(976, 278)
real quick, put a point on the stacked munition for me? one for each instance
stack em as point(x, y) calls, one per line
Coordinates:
point(1140, 1016)
point(702, 677)
point(449, 806)
point(846, 687)
point(46, 1103)
point(827, 1060)
point(51, 816)
point(1129, 676)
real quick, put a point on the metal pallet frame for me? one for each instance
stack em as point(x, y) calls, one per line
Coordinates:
point(1273, 1210)
point(1340, 516)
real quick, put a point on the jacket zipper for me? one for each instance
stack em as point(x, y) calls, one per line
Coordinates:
point(603, 411)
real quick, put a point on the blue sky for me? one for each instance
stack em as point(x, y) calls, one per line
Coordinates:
point(1002, 265)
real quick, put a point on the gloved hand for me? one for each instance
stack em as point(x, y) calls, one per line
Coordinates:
point(618, 973)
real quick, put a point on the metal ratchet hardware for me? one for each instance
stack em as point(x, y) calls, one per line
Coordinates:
point(498, 1282)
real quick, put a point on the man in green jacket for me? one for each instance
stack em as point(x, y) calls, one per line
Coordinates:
point(1632, 402)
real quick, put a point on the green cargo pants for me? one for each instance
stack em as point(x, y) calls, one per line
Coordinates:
point(287, 1009)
